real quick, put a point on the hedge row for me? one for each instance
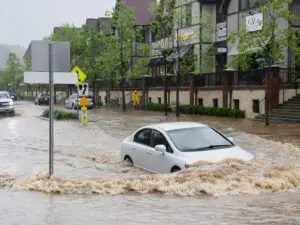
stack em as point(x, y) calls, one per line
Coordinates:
point(99, 103)
point(25, 98)
point(60, 114)
point(198, 110)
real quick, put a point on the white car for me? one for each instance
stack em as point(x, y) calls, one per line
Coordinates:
point(6, 103)
point(170, 147)
point(73, 102)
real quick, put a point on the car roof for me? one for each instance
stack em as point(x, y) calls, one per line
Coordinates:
point(176, 125)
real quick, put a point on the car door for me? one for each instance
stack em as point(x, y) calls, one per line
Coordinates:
point(159, 162)
point(70, 101)
point(140, 149)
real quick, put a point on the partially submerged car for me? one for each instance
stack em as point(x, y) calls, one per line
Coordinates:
point(73, 102)
point(170, 147)
point(6, 103)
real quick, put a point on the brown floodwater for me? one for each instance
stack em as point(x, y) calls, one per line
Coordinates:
point(91, 186)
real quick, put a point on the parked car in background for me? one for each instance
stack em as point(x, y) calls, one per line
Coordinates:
point(170, 147)
point(13, 97)
point(6, 103)
point(42, 99)
point(73, 102)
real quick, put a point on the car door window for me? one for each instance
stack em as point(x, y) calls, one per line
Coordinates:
point(158, 138)
point(143, 137)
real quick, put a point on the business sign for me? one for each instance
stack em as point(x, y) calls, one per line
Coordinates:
point(254, 22)
point(221, 50)
point(221, 30)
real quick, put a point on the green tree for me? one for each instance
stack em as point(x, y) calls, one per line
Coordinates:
point(13, 73)
point(162, 26)
point(268, 44)
point(123, 22)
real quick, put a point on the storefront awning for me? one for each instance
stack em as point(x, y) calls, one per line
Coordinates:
point(183, 51)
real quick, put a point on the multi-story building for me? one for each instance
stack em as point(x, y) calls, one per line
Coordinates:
point(217, 86)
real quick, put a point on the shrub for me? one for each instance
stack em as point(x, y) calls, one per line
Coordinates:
point(99, 103)
point(199, 110)
point(25, 98)
point(155, 107)
point(59, 114)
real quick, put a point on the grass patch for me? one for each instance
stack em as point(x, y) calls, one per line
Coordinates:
point(198, 110)
point(59, 114)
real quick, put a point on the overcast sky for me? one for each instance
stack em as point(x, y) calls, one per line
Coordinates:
point(24, 20)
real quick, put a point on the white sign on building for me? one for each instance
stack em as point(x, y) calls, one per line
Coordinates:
point(254, 22)
point(221, 30)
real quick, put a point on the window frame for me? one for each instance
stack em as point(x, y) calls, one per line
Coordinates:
point(253, 106)
point(169, 147)
point(248, 5)
point(188, 15)
point(138, 133)
point(236, 102)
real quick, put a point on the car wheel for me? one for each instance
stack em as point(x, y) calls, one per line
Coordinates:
point(128, 161)
point(175, 169)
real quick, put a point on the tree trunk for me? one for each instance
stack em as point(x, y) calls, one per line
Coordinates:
point(267, 96)
point(177, 93)
point(177, 77)
point(165, 91)
point(94, 91)
point(123, 97)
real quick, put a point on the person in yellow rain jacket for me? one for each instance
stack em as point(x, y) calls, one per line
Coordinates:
point(136, 99)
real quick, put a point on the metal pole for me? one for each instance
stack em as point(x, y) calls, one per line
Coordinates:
point(51, 88)
point(77, 106)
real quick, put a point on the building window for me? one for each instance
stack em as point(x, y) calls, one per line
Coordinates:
point(255, 105)
point(249, 4)
point(200, 102)
point(159, 100)
point(236, 104)
point(150, 99)
point(188, 18)
point(215, 103)
point(244, 4)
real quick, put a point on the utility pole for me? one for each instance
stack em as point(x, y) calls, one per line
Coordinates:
point(178, 70)
point(51, 127)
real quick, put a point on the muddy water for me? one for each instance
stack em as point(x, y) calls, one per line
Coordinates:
point(87, 169)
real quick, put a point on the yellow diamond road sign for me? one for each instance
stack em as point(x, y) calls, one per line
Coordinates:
point(80, 74)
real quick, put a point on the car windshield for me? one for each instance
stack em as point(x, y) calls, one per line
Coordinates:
point(3, 96)
point(198, 139)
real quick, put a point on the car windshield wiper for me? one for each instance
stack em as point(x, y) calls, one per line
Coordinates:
point(208, 148)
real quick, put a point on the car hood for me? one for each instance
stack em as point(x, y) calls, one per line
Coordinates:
point(218, 155)
point(4, 100)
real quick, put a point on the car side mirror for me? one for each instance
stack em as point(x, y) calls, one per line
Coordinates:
point(161, 148)
point(230, 138)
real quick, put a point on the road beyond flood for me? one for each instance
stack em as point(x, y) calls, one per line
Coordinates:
point(91, 186)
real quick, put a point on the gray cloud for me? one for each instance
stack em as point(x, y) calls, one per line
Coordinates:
point(24, 20)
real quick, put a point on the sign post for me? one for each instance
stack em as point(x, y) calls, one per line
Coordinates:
point(50, 65)
point(83, 91)
point(51, 127)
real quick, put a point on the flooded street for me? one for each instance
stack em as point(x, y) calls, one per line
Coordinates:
point(91, 186)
